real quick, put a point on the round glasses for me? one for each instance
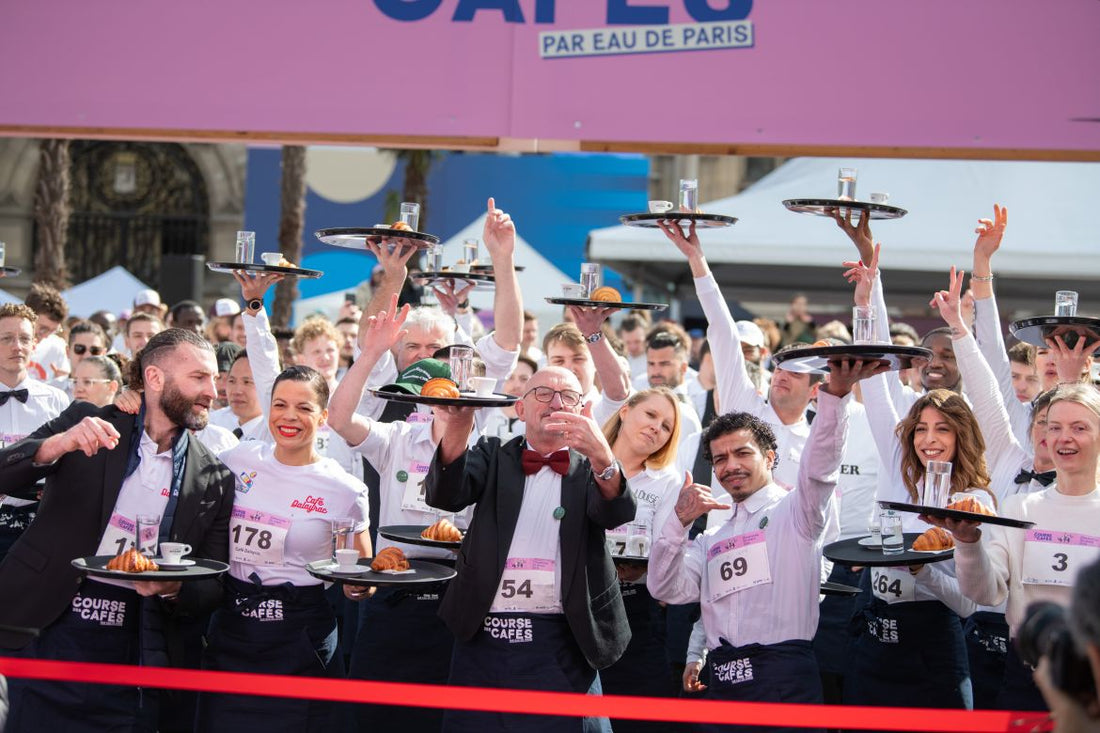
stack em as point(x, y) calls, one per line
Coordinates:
point(569, 398)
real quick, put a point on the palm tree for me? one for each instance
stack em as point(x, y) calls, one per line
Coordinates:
point(291, 222)
point(51, 213)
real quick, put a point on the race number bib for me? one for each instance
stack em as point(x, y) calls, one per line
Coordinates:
point(415, 492)
point(257, 538)
point(526, 585)
point(1055, 558)
point(119, 536)
point(321, 439)
point(737, 563)
point(893, 585)
point(629, 539)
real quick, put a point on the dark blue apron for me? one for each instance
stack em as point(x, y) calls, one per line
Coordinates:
point(783, 672)
point(283, 629)
point(908, 654)
point(986, 635)
point(525, 652)
point(832, 642)
point(13, 521)
point(1018, 690)
point(643, 669)
point(102, 625)
point(402, 639)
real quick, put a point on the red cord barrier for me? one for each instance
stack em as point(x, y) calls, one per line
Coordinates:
point(523, 701)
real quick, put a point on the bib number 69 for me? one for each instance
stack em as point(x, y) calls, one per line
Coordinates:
point(738, 566)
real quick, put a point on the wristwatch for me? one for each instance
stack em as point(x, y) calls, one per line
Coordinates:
point(255, 305)
point(607, 473)
point(593, 338)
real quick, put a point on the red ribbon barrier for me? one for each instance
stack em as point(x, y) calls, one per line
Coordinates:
point(524, 701)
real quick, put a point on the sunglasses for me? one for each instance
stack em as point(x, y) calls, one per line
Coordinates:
point(79, 350)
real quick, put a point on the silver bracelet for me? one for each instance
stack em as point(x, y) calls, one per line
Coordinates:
point(982, 278)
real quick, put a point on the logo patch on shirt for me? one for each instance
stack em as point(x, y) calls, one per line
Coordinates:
point(513, 630)
point(245, 480)
point(734, 672)
point(310, 505)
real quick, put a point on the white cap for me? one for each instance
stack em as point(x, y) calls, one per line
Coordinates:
point(147, 297)
point(225, 307)
point(750, 334)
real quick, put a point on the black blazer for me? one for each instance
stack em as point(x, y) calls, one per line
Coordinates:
point(37, 581)
point(490, 475)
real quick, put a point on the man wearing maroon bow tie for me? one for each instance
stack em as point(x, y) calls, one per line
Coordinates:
point(536, 603)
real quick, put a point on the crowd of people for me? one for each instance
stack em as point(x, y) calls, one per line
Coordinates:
point(250, 443)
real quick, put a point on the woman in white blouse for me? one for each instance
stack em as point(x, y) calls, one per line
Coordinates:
point(274, 616)
point(643, 435)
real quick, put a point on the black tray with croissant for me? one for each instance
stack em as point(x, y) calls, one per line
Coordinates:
point(420, 571)
point(410, 535)
point(850, 552)
point(357, 237)
point(942, 513)
point(96, 566)
point(466, 399)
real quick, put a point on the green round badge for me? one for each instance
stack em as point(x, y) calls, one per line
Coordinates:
point(402, 476)
point(559, 512)
point(764, 522)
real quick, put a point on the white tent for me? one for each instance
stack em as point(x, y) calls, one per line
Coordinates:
point(113, 291)
point(538, 280)
point(1051, 239)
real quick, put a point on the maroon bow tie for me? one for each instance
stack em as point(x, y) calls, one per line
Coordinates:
point(533, 461)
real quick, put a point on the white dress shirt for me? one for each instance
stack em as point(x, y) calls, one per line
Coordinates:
point(782, 605)
point(20, 419)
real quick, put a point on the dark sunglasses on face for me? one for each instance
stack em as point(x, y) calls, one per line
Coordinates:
point(79, 350)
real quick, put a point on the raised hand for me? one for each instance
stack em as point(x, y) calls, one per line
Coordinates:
point(129, 401)
point(990, 232)
point(963, 530)
point(694, 501)
point(499, 233)
point(447, 296)
point(589, 320)
point(863, 275)
point(1071, 362)
point(688, 244)
point(383, 330)
point(394, 263)
point(860, 234)
point(254, 285)
point(581, 433)
point(844, 373)
point(949, 303)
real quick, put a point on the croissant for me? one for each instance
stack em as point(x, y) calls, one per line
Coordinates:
point(442, 531)
point(607, 294)
point(971, 504)
point(439, 387)
point(390, 558)
point(402, 226)
point(284, 262)
point(934, 539)
point(131, 561)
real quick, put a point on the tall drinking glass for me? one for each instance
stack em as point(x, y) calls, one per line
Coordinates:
point(1065, 303)
point(689, 194)
point(410, 214)
point(893, 537)
point(146, 533)
point(246, 247)
point(937, 484)
point(863, 324)
point(462, 366)
point(469, 250)
point(846, 184)
point(591, 278)
point(343, 528)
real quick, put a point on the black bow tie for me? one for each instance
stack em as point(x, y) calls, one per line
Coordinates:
point(1046, 478)
point(19, 394)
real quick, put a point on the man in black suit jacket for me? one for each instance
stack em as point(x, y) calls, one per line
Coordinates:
point(536, 593)
point(91, 459)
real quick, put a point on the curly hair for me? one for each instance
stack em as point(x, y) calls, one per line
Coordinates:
point(969, 469)
point(312, 328)
point(46, 300)
point(731, 422)
point(18, 310)
point(664, 455)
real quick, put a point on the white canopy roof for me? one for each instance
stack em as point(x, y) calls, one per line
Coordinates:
point(1051, 231)
point(113, 291)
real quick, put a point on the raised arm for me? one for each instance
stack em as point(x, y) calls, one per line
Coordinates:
point(614, 375)
point(499, 236)
point(383, 331)
point(260, 343)
point(394, 272)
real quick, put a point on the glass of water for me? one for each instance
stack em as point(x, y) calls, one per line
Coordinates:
point(689, 194)
point(937, 484)
point(343, 529)
point(462, 366)
point(246, 247)
point(846, 184)
point(146, 533)
point(469, 251)
point(410, 214)
point(1065, 303)
point(591, 278)
point(893, 537)
point(435, 258)
point(863, 324)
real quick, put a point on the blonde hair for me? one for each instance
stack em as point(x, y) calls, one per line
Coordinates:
point(969, 469)
point(1082, 394)
point(312, 328)
point(664, 455)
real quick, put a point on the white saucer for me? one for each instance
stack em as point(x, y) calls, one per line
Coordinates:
point(870, 542)
point(184, 563)
point(337, 570)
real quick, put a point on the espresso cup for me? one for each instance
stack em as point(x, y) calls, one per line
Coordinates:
point(347, 559)
point(483, 386)
point(173, 552)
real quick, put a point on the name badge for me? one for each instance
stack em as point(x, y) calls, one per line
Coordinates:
point(414, 498)
point(257, 538)
point(1055, 558)
point(893, 585)
point(737, 563)
point(527, 584)
point(118, 537)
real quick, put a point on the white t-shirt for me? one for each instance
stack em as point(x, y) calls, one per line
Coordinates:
point(20, 419)
point(50, 359)
point(282, 514)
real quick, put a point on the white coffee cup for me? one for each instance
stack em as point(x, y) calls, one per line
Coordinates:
point(659, 207)
point(271, 258)
point(483, 386)
point(347, 559)
point(173, 552)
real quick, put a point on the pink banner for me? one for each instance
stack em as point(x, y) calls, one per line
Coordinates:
point(983, 74)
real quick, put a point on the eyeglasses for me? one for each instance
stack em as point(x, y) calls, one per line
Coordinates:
point(11, 339)
point(87, 382)
point(569, 398)
point(79, 350)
